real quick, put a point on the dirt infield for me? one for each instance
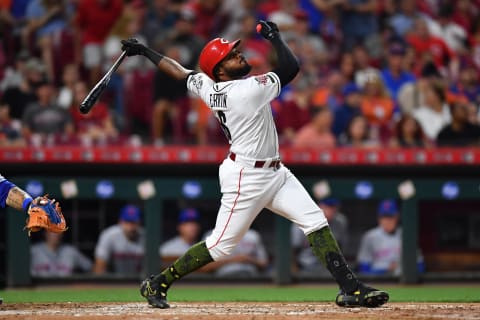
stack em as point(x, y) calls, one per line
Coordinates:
point(237, 311)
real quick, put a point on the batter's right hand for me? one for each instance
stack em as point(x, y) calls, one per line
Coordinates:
point(132, 47)
point(267, 29)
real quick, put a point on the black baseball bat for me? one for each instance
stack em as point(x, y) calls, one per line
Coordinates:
point(92, 97)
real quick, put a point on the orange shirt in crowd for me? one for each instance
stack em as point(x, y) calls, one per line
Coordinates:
point(378, 110)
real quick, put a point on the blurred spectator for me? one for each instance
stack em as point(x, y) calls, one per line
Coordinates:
point(377, 107)
point(325, 21)
point(350, 109)
point(210, 21)
point(52, 258)
point(94, 20)
point(14, 75)
point(347, 66)
point(411, 94)
point(363, 65)
point(303, 255)
point(19, 97)
point(284, 15)
point(408, 133)
point(10, 129)
point(46, 20)
point(295, 111)
point(468, 85)
point(380, 247)
point(70, 76)
point(357, 134)
point(95, 127)
point(435, 114)
point(330, 95)
point(236, 11)
point(394, 75)
point(404, 20)
point(171, 104)
point(358, 21)
point(252, 44)
point(248, 259)
point(318, 133)
point(158, 21)
point(460, 132)
point(445, 28)
point(431, 48)
point(44, 119)
point(183, 35)
point(122, 81)
point(120, 248)
point(188, 229)
point(465, 13)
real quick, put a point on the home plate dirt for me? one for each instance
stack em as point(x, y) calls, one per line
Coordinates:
point(237, 311)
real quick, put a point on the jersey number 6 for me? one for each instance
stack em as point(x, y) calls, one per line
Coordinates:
point(223, 121)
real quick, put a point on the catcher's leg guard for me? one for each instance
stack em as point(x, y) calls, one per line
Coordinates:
point(154, 289)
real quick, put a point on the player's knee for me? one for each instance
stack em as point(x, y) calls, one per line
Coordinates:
point(219, 250)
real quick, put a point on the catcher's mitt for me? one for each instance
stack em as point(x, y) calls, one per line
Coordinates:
point(45, 213)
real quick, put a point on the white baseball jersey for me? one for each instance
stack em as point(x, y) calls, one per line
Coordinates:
point(2, 178)
point(125, 256)
point(243, 109)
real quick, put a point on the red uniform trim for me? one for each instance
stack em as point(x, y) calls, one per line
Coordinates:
point(231, 211)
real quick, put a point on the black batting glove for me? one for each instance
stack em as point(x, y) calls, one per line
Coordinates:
point(268, 29)
point(132, 47)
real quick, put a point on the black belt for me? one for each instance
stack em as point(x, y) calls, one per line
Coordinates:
point(259, 164)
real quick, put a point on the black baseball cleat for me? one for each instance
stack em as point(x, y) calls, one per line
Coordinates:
point(364, 296)
point(155, 292)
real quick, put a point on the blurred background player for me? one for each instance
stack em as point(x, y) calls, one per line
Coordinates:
point(188, 229)
point(52, 258)
point(248, 259)
point(304, 259)
point(120, 248)
point(380, 248)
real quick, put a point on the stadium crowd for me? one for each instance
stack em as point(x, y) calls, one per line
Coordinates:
point(374, 73)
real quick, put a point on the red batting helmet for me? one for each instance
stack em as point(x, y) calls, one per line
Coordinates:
point(214, 52)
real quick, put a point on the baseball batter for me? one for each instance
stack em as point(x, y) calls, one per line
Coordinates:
point(252, 176)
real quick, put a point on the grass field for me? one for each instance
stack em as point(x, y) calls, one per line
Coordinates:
point(420, 293)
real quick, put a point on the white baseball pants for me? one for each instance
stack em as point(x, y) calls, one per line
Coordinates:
point(246, 191)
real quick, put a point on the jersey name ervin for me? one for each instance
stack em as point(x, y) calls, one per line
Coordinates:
point(218, 100)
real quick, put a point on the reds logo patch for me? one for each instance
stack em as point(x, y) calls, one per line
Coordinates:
point(261, 80)
point(197, 83)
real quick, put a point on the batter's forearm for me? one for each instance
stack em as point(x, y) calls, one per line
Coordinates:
point(287, 63)
point(166, 64)
point(18, 199)
point(173, 68)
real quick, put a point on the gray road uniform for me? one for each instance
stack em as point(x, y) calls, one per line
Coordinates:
point(60, 263)
point(124, 256)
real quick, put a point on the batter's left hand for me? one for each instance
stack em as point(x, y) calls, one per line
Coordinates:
point(132, 47)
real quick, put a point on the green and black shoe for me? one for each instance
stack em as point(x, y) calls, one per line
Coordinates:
point(155, 292)
point(364, 296)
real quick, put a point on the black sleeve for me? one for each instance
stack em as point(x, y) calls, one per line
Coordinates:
point(287, 64)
